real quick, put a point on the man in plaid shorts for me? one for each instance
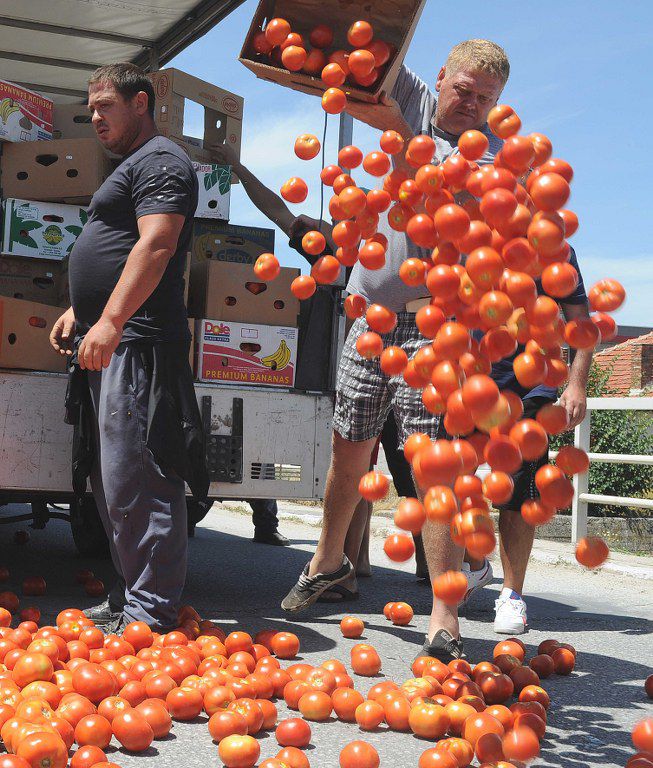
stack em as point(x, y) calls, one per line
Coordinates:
point(468, 86)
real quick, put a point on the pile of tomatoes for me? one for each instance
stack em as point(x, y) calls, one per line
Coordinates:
point(69, 685)
point(362, 65)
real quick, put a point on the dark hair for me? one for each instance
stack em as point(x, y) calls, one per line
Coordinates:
point(127, 79)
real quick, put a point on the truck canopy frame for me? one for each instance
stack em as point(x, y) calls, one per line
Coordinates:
point(52, 46)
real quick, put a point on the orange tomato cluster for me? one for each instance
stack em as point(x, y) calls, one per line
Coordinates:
point(361, 65)
point(491, 231)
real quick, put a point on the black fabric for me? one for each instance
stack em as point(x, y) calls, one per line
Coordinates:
point(314, 346)
point(402, 476)
point(174, 426)
point(524, 478)
point(157, 177)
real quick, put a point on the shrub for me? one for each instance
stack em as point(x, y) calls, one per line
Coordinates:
point(615, 432)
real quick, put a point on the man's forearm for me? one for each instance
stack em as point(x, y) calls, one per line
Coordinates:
point(142, 273)
point(579, 370)
point(265, 199)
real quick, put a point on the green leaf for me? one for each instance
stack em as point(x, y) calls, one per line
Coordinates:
point(224, 179)
point(28, 226)
point(210, 180)
point(28, 241)
point(74, 230)
point(83, 215)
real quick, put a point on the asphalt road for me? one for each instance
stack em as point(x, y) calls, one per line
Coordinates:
point(608, 617)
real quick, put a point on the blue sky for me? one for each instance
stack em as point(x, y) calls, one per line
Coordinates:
point(580, 72)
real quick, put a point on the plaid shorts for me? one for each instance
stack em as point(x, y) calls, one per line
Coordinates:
point(365, 395)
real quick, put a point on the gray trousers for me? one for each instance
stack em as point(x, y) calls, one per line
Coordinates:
point(143, 511)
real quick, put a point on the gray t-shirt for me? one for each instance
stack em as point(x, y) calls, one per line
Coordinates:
point(384, 286)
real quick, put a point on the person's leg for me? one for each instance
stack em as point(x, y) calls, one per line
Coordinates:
point(349, 462)
point(146, 507)
point(516, 543)
point(265, 516)
point(363, 567)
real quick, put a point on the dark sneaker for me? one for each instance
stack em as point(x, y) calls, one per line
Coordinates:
point(443, 647)
point(270, 537)
point(103, 613)
point(308, 588)
point(116, 626)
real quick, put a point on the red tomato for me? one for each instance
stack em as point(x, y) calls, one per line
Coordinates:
point(84, 757)
point(359, 754)
point(239, 751)
point(133, 731)
point(293, 732)
point(607, 295)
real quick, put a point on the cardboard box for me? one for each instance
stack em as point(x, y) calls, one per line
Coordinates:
point(72, 121)
point(40, 230)
point(214, 191)
point(25, 336)
point(233, 293)
point(246, 353)
point(223, 111)
point(65, 170)
point(393, 20)
point(229, 242)
point(24, 115)
point(30, 279)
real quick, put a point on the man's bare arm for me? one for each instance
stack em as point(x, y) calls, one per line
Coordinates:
point(574, 398)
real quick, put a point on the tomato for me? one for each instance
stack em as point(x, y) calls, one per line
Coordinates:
point(503, 121)
point(293, 758)
point(184, 703)
point(321, 36)
point(592, 551)
point(294, 190)
point(85, 757)
point(43, 749)
point(373, 486)
point(480, 724)
point(350, 626)
point(450, 587)
point(360, 33)
point(452, 222)
point(285, 645)
point(437, 758)
point(303, 287)
point(315, 706)
point(293, 57)
point(559, 279)
point(313, 243)
point(521, 744)
point(642, 735)
point(473, 145)
point(365, 660)
point(391, 142)
point(276, 31)
point(133, 731)
point(345, 703)
point(359, 754)
point(334, 101)
point(606, 295)
point(399, 547)
point(31, 667)
point(420, 150)
point(93, 730)
point(239, 751)
point(549, 191)
point(437, 463)
point(293, 732)
point(34, 586)
point(429, 721)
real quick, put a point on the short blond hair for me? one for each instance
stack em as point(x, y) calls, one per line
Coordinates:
point(479, 55)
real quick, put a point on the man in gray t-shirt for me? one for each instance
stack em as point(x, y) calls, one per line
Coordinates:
point(467, 87)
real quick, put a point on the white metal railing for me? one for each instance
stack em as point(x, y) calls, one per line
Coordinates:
point(582, 440)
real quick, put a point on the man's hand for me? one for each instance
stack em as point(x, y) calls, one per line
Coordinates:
point(574, 401)
point(303, 224)
point(99, 344)
point(62, 335)
point(384, 116)
point(225, 155)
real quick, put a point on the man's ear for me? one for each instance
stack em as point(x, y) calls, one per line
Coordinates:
point(440, 78)
point(141, 102)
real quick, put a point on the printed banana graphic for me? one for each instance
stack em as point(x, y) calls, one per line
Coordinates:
point(7, 107)
point(280, 359)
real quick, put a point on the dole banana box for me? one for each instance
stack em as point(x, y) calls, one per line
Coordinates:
point(24, 115)
point(246, 353)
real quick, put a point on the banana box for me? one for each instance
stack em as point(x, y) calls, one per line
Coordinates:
point(24, 115)
point(246, 353)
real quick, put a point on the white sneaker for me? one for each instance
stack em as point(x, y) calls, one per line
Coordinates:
point(510, 616)
point(476, 579)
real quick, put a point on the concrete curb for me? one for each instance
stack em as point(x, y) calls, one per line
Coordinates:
point(544, 551)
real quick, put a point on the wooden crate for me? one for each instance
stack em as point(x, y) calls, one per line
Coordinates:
point(393, 20)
